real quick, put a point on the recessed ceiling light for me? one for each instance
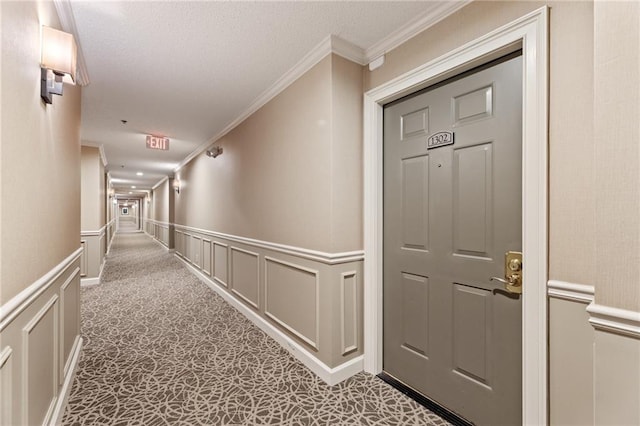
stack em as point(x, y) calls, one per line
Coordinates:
point(139, 173)
point(133, 187)
point(130, 192)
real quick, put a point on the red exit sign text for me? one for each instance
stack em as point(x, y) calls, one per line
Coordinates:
point(158, 142)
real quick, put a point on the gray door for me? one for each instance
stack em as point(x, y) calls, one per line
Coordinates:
point(450, 214)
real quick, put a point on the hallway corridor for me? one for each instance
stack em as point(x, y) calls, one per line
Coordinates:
point(163, 348)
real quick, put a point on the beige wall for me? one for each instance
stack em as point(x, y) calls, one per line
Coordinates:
point(40, 164)
point(617, 153)
point(160, 202)
point(93, 189)
point(292, 172)
point(273, 181)
point(39, 226)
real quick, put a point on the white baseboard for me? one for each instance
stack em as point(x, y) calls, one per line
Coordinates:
point(88, 282)
point(65, 390)
point(331, 376)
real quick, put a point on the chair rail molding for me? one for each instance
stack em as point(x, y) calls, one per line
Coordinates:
point(21, 301)
point(570, 291)
point(318, 256)
point(614, 320)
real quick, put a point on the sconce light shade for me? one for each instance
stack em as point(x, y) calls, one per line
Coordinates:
point(58, 59)
point(214, 151)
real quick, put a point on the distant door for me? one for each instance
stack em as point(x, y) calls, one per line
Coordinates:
point(451, 212)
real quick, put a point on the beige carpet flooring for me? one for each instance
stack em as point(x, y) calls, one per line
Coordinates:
point(161, 348)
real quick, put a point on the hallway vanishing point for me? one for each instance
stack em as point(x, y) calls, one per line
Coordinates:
point(163, 348)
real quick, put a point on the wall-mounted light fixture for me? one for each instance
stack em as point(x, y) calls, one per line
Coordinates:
point(57, 61)
point(176, 185)
point(214, 151)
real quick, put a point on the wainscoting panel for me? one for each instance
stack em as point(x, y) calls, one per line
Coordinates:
point(83, 259)
point(245, 275)
point(206, 256)
point(220, 263)
point(349, 312)
point(309, 301)
point(292, 299)
point(41, 326)
point(40, 340)
point(187, 253)
point(69, 321)
point(6, 385)
point(196, 251)
point(94, 244)
point(571, 381)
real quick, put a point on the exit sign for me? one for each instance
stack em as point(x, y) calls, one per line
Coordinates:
point(158, 142)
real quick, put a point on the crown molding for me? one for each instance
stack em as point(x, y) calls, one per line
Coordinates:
point(412, 29)
point(160, 182)
point(347, 50)
point(331, 44)
point(103, 156)
point(68, 23)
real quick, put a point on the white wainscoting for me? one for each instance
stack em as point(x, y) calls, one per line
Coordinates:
point(284, 281)
point(94, 245)
point(349, 311)
point(308, 301)
point(41, 343)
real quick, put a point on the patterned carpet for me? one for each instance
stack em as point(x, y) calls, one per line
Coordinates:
point(161, 348)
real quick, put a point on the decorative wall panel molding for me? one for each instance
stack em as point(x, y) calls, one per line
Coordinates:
point(40, 337)
point(245, 275)
point(318, 256)
point(310, 303)
point(22, 300)
point(36, 365)
point(349, 311)
point(292, 298)
point(221, 263)
point(6, 385)
point(206, 256)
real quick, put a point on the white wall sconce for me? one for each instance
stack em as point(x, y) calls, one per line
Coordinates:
point(176, 185)
point(214, 151)
point(57, 60)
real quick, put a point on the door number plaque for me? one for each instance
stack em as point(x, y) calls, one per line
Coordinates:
point(440, 139)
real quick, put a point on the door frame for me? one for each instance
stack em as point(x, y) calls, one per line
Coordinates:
point(530, 33)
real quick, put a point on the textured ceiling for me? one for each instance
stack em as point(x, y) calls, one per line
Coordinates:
point(187, 69)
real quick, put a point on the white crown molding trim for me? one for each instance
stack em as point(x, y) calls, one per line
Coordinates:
point(347, 50)
point(412, 29)
point(103, 156)
point(614, 320)
point(160, 182)
point(570, 291)
point(331, 376)
point(22, 300)
point(65, 390)
point(331, 44)
point(318, 256)
point(68, 23)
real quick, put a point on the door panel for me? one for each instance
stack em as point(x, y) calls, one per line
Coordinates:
point(450, 214)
